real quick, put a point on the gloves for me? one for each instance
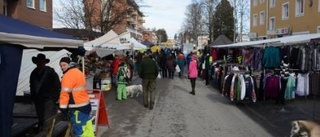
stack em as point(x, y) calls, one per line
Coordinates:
point(64, 111)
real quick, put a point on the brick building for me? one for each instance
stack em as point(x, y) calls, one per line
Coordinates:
point(37, 12)
point(132, 19)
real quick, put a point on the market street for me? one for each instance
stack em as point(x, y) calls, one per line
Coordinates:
point(178, 113)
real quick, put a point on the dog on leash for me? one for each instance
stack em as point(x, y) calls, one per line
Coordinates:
point(134, 90)
point(305, 128)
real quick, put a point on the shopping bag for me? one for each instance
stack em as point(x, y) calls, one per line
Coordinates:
point(177, 69)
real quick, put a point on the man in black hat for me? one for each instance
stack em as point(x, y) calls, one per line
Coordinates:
point(45, 91)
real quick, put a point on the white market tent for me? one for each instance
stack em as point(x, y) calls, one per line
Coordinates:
point(283, 41)
point(16, 35)
point(99, 41)
point(27, 66)
point(125, 41)
point(39, 42)
point(111, 43)
point(137, 45)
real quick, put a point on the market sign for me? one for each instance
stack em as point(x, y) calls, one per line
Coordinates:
point(282, 31)
point(124, 41)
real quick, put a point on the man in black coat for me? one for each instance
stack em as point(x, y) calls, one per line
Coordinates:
point(148, 72)
point(45, 91)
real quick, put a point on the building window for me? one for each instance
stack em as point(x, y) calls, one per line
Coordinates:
point(30, 4)
point(272, 3)
point(318, 29)
point(262, 1)
point(272, 23)
point(262, 17)
point(255, 19)
point(285, 11)
point(43, 5)
point(255, 3)
point(318, 5)
point(299, 8)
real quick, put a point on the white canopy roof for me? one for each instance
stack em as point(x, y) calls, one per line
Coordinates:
point(289, 40)
point(137, 45)
point(27, 66)
point(101, 40)
point(39, 42)
point(111, 42)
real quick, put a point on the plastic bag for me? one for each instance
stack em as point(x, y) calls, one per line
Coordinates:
point(177, 69)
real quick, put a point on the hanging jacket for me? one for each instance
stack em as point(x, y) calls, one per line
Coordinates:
point(73, 93)
point(290, 88)
point(272, 87)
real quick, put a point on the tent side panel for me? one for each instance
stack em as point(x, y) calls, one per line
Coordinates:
point(10, 61)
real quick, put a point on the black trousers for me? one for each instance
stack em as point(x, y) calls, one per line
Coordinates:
point(164, 73)
point(280, 98)
point(171, 74)
point(193, 84)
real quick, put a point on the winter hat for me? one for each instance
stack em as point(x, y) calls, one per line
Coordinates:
point(65, 59)
point(40, 56)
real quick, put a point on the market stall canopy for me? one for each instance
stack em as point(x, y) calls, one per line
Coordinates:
point(289, 40)
point(248, 43)
point(14, 31)
point(102, 52)
point(298, 39)
point(15, 35)
point(121, 39)
point(27, 67)
point(137, 45)
point(115, 46)
point(221, 40)
point(101, 40)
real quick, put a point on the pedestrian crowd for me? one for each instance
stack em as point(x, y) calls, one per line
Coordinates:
point(69, 96)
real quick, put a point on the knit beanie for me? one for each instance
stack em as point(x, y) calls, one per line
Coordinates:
point(65, 59)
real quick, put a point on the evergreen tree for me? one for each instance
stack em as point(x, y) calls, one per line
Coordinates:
point(162, 35)
point(224, 20)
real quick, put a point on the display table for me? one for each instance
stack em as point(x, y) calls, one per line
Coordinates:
point(21, 126)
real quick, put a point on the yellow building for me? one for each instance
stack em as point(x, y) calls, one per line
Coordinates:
point(278, 18)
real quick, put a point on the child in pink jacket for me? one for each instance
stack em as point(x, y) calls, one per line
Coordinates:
point(193, 73)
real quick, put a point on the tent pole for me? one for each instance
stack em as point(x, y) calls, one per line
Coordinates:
point(82, 59)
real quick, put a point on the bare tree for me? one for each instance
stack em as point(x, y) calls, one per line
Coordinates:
point(242, 17)
point(208, 13)
point(102, 15)
point(193, 24)
point(70, 14)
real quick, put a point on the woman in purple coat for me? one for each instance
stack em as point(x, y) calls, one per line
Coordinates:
point(193, 73)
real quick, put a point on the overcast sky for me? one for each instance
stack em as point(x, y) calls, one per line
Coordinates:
point(166, 14)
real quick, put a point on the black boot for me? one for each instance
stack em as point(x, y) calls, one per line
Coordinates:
point(192, 92)
point(151, 105)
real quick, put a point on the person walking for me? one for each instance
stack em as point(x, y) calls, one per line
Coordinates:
point(74, 100)
point(148, 72)
point(162, 64)
point(193, 73)
point(171, 66)
point(181, 61)
point(122, 81)
point(45, 90)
